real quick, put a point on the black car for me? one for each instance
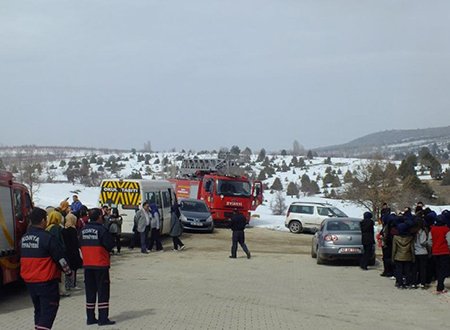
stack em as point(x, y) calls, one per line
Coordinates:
point(195, 215)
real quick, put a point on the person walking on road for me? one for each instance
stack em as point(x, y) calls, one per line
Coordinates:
point(41, 261)
point(115, 227)
point(176, 228)
point(238, 223)
point(96, 244)
point(143, 218)
point(367, 239)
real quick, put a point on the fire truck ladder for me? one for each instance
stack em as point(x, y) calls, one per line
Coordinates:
point(191, 167)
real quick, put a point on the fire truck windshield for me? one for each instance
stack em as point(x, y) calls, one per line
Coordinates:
point(233, 188)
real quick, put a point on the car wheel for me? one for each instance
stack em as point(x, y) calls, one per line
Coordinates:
point(319, 260)
point(313, 253)
point(295, 227)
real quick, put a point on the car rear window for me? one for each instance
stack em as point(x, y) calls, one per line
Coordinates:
point(347, 225)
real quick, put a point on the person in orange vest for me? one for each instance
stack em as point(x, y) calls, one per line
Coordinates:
point(96, 244)
point(41, 261)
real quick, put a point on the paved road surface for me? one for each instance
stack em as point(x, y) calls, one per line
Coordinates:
point(281, 287)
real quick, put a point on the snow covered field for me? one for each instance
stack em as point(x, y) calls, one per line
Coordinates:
point(51, 194)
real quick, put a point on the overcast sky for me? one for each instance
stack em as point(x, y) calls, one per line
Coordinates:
point(205, 74)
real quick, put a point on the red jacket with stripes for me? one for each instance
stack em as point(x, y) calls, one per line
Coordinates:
point(40, 256)
point(96, 243)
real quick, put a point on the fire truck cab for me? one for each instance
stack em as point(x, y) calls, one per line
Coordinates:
point(223, 191)
point(15, 208)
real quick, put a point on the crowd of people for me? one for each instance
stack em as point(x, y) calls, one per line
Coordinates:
point(61, 240)
point(415, 247)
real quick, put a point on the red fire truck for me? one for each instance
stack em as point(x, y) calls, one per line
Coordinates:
point(15, 208)
point(220, 185)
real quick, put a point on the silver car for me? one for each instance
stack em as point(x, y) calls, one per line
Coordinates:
point(338, 238)
point(195, 215)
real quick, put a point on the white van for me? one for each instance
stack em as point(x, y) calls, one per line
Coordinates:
point(128, 195)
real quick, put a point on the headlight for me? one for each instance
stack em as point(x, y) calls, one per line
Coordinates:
point(209, 219)
point(183, 218)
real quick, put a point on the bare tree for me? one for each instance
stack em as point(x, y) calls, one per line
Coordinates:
point(298, 149)
point(147, 146)
point(278, 204)
point(372, 186)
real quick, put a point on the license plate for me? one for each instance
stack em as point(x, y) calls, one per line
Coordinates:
point(349, 250)
point(198, 224)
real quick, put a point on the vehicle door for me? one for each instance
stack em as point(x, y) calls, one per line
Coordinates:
point(22, 210)
point(307, 216)
point(318, 237)
point(257, 194)
point(323, 212)
point(166, 197)
point(7, 236)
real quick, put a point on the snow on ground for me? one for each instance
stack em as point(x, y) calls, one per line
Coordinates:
point(263, 217)
point(51, 194)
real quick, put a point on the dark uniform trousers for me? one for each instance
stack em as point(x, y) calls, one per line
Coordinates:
point(97, 284)
point(238, 237)
point(45, 297)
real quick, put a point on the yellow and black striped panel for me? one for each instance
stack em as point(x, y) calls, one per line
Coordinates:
point(120, 193)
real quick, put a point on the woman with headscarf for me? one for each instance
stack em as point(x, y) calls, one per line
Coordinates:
point(155, 224)
point(115, 227)
point(54, 221)
point(176, 228)
point(70, 237)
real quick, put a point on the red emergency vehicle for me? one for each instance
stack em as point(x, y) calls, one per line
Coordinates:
point(15, 208)
point(218, 183)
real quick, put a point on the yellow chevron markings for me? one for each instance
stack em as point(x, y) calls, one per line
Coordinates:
point(120, 192)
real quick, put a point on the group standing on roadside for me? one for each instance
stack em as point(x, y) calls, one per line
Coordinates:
point(416, 247)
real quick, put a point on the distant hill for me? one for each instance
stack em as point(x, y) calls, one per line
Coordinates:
point(391, 142)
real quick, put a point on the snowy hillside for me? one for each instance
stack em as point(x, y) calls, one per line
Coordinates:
point(55, 187)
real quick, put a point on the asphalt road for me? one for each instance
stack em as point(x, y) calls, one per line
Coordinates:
point(281, 287)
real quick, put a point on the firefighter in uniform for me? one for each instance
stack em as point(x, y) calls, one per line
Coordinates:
point(41, 259)
point(96, 245)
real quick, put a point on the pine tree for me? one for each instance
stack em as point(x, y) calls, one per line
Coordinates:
point(292, 189)
point(262, 155)
point(262, 175)
point(277, 185)
point(348, 177)
point(301, 162)
point(407, 167)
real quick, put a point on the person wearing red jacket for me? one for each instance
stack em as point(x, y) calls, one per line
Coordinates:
point(96, 244)
point(41, 261)
point(440, 252)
